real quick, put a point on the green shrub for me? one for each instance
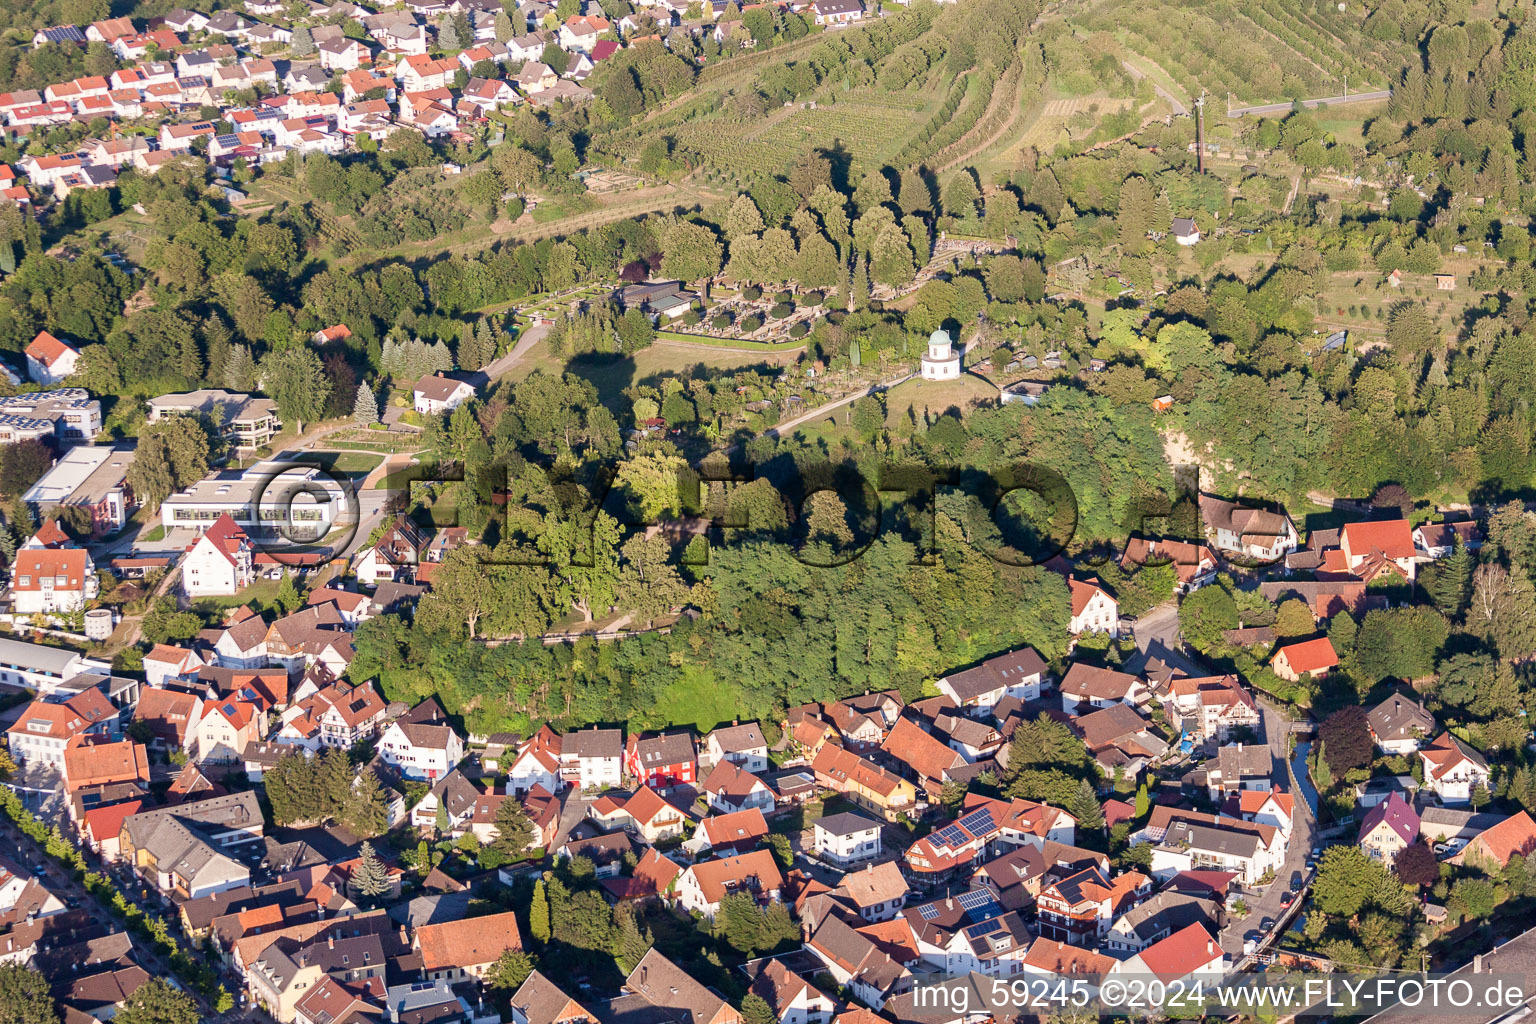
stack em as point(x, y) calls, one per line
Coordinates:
point(781, 296)
point(752, 294)
point(691, 318)
point(800, 330)
point(781, 310)
point(751, 323)
point(812, 298)
point(721, 322)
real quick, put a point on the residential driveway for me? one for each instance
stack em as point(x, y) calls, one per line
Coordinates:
point(1157, 636)
point(500, 367)
point(573, 810)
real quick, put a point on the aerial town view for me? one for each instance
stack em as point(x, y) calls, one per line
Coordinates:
point(767, 511)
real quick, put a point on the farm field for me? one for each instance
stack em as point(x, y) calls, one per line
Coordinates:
point(612, 375)
point(869, 126)
point(1257, 52)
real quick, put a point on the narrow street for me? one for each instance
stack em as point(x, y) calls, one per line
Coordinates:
point(1157, 635)
point(62, 883)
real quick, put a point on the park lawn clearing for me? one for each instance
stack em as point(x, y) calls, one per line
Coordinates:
point(738, 343)
point(611, 375)
point(936, 397)
point(696, 699)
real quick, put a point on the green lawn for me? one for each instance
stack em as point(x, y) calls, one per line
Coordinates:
point(695, 699)
point(262, 593)
point(352, 463)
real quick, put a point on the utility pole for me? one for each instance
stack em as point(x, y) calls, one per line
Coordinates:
point(1200, 132)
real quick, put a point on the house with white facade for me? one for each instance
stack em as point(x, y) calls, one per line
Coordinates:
point(534, 767)
point(437, 393)
point(702, 886)
point(846, 839)
point(52, 580)
point(592, 758)
point(791, 998)
point(1453, 769)
point(730, 788)
point(166, 663)
point(1399, 724)
point(220, 562)
point(742, 745)
point(422, 743)
point(1018, 674)
point(50, 359)
point(1093, 609)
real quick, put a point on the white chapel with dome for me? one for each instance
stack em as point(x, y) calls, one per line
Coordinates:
point(941, 362)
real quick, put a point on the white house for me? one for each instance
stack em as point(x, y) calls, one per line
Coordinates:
point(729, 788)
point(421, 743)
point(1399, 724)
point(436, 393)
point(394, 556)
point(50, 360)
point(1190, 954)
point(592, 758)
point(791, 998)
point(742, 745)
point(1093, 610)
point(1185, 231)
point(837, 12)
point(1099, 688)
point(847, 838)
point(701, 887)
point(534, 767)
point(1016, 674)
point(52, 580)
point(1452, 769)
point(242, 643)
point(219, 563)
point(1255, 533)
point(166, 663)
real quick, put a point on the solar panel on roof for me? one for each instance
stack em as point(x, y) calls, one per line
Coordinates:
point(978, 821)
point(976, 930)
point(929, 911)
point(949, 835)
point(974, 898)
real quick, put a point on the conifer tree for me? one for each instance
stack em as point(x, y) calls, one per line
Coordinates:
point(538, 913)
point(365, 408)
point(371, 879)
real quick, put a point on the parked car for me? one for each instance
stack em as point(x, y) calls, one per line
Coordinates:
point(1296, 881)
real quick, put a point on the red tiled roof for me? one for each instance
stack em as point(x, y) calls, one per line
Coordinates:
point(1181, 953)
point(478, 940)
point(1309, 655)
point(47, 349)
point(1392, 537)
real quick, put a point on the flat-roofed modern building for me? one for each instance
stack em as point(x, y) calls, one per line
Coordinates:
point(296, 502)
point(245, 420)
point(45, 669)
point(89, 476)
point(67, 415)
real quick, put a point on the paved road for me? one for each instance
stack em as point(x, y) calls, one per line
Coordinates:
point(62, 884)
point(822, 410)
point(1281, 108)
point(1157, 635)
point(1173, 101)
point(1267, 905)
point(500, 367)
